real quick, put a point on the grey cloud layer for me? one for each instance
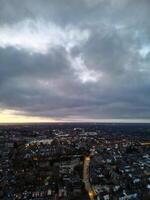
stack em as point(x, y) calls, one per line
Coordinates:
point(106, 74)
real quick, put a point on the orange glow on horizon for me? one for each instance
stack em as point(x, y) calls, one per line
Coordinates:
point(8, 116)
point(14, 116)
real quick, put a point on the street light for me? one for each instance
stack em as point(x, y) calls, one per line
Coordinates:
point(91, 194)
point(88, 158)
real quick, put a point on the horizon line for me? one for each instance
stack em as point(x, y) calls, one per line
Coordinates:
point(76, 122)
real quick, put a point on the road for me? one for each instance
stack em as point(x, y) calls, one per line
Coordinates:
point(86, 177)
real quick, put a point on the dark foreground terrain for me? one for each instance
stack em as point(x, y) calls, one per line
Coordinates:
point(75, 161)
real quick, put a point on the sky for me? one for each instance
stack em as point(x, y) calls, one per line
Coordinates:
point(74, 61)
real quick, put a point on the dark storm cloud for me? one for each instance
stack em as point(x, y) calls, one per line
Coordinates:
point(94, 65)
point(15, 63)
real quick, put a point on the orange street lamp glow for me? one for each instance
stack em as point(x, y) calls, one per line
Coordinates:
point(88, 158)
point(91, 194)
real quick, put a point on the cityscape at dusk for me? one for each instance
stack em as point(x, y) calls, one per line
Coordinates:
point(69, 161)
